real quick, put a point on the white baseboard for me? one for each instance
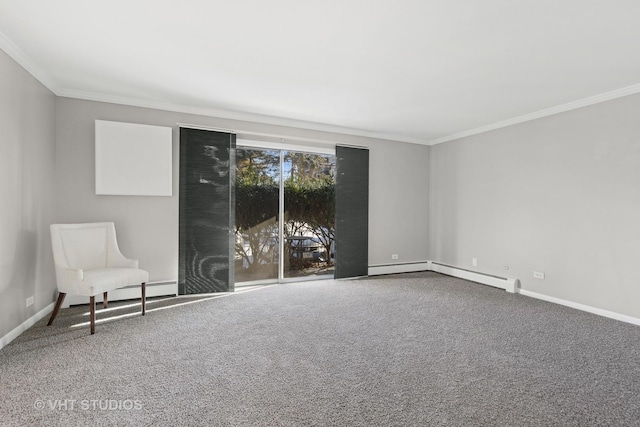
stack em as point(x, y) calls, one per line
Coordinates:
point(510, 285)
point(130, 292)
point(153, 289)
point(15, 333)
point(582, 307)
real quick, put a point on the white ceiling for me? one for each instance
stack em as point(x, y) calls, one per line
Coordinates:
point(413, 70)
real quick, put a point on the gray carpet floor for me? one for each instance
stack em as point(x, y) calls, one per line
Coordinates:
point(400, 350)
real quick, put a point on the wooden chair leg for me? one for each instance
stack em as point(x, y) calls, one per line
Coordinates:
point(93, 314)
point(104, 300)
point(144, 298)
point(61, 296)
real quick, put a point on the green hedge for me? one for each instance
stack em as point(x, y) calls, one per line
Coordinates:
point(310, 203)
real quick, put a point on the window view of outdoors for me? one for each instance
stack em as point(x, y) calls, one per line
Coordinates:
point(308, 240)
point(257, 202)
point(309, 212)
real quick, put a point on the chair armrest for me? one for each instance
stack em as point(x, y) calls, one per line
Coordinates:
point(120, 261)
point(130, 263)
point(68, 276)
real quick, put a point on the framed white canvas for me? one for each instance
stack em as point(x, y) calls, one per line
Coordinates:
point(133, 159)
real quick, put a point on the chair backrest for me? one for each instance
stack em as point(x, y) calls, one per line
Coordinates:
point(83, 246)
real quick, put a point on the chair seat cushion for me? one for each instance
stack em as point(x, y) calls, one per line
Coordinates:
point(99, 280)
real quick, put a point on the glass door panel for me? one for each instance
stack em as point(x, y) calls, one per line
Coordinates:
point(309, 214)
point(257, 243)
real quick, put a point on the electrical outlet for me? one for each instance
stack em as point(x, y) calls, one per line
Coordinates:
point(30, 301)
point(538, 275)
point(394, 256)
point(474, 262)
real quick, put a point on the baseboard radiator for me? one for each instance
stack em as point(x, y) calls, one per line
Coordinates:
point(153, 289)
point(506, 283)
point(170, 287)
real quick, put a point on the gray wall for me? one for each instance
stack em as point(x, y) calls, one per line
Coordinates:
point(560, 195)
point(27, 150)
point(148, 226)
point(398, 203)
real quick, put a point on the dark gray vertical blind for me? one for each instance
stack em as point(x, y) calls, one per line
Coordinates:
point(352, 212)
point(207, 211)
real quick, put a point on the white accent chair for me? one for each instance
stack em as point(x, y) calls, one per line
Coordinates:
point(88, 262)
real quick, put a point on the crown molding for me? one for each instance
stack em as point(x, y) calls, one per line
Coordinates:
point(279, 121)
point(596, 99)
point(233, 115)
point(48, 81)
point(25, 62)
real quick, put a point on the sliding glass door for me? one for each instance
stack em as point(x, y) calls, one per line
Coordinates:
point(250, 215)
point(298, 187)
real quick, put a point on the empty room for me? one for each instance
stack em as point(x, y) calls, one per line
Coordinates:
point(403, 213)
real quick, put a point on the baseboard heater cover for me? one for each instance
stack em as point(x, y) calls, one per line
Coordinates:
point(508, 284)
point(406, 267)
point(153, 289)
